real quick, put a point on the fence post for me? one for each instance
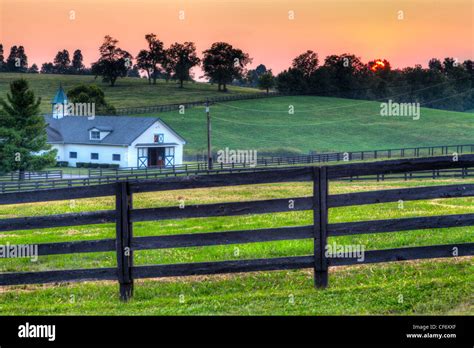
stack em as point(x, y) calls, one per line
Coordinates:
point(124, 239)
point(320, 218)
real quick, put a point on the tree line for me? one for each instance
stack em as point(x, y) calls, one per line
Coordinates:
point(445, 84)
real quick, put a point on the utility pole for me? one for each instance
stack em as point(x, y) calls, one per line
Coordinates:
point(209, 152)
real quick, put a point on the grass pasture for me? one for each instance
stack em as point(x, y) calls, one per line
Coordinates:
point(318, 123)
point(442, 286)
point(128, 92)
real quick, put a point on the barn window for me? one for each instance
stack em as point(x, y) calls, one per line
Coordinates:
point(95, 135)
point(72, 154)
point(159, 138)
point(115, 157)
point(94, 156)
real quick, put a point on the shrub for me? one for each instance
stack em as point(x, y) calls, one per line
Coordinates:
point(62, 164)
point(96, 165)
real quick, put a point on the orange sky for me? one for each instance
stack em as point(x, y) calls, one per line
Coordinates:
point(367, 28)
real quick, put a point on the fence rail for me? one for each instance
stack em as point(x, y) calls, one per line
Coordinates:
point(125, 215)
point(176, 106)
point(142, 174)
point(38, 175)
point(314, 157)
point(107, 178)
point(54, 178)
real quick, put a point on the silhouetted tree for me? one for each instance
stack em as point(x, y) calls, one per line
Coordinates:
point(222, 64)
point(33, 69)
point(17, 60)
point(167, 67)
point(113, 62)
point(266, 80)
point(47, 68)
point(145, 63)
point(77, 65)
point(134, 72)
point(292, 81)
point(153, 57)
point(2, 59)
point(183, 57)
point(252, 75)
point(307, 63)
point(62, 62)
point(435, 64)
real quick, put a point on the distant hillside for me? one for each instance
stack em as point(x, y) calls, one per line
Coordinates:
point(129, 92)
point(319, 123)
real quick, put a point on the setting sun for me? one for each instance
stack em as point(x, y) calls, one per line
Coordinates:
point(378, 64)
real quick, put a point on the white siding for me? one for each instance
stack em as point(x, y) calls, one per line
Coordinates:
point(128, 154)
point(147, 138)
point(84, 154)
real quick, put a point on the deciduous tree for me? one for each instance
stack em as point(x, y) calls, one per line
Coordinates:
point(223, 63)
point(266, 80)
point(183, 57)
point(113, 63)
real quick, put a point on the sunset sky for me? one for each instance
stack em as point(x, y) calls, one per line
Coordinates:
point(370, 29)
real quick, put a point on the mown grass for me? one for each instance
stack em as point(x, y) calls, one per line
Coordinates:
point(318, 123)
point(129, 92)
point(427, 287)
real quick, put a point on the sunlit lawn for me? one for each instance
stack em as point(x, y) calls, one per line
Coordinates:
point(370, 289)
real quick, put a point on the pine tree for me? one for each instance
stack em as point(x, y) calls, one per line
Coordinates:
point(23, 139)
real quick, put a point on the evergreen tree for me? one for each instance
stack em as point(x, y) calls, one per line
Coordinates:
point(23, 144)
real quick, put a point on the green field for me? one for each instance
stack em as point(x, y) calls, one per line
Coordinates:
point(442, 286)
point(319, 123)
point(128, 92)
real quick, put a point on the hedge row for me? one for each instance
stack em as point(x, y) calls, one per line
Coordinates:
point(96, 165)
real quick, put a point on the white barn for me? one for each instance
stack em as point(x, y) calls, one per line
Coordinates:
point(122, 140)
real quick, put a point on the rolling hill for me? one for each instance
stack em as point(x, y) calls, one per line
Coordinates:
point(318, 123)
point(129, 92)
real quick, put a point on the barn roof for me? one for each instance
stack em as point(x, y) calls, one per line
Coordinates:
point(75, 129)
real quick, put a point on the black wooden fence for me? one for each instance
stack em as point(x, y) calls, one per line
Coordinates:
point(154, 173)
point(315, 157)
point(108, 176)
point(37, 175)
point(124, 216)
point(177, 106)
